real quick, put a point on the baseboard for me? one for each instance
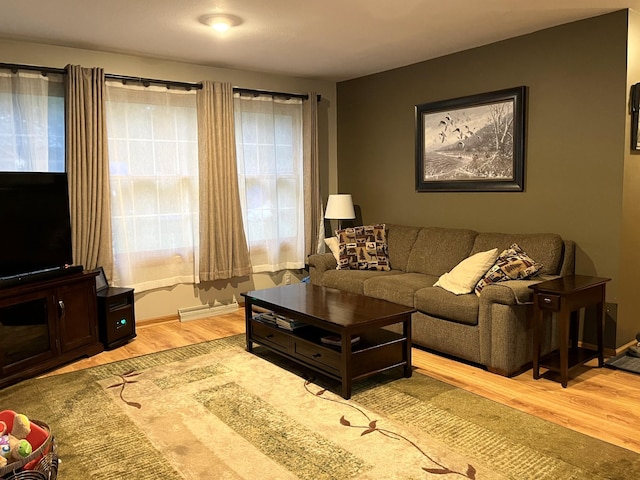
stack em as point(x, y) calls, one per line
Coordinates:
point(157, 320)
point(166, 318)
point(608, 352)
point(204, 311)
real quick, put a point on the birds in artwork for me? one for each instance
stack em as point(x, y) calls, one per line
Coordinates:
point(452, 126)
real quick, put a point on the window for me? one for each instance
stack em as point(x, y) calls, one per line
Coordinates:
point(31, 122)
point(270, 170)
point(153, 164)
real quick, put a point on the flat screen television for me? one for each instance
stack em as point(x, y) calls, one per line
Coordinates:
point(36, 227)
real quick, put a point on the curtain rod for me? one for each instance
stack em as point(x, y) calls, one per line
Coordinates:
point(151, 81)
point(14, 67)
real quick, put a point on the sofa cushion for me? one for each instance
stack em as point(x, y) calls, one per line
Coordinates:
point(400, 240)
point(545, 248)
point(438, 302)
point(397, 288)
point(351, 280)
point(464, 276)
point(438, 250)
point(363, 248)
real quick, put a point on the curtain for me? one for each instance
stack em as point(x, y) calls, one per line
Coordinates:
point(87, 168)
point(32, 122)
point(153, 169)
point(270, 170)
point(223, 245)
point(313, 215)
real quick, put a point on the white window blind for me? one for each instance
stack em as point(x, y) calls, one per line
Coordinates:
point(153, 164)
point(31, 122)
point(270, 170)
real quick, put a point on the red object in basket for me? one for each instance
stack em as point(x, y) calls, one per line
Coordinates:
point(36, 437)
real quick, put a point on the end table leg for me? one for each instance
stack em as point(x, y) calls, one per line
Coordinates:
point(600, 327)
point(563, 324)
point(537, 322)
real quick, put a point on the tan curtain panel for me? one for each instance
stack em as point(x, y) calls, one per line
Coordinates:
point(87, 168)
point(313, 221)
point(223, 246)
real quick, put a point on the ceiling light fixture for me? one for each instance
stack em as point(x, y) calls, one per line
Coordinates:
point(220, 21)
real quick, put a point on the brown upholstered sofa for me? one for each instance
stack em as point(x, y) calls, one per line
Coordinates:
point(493, 329)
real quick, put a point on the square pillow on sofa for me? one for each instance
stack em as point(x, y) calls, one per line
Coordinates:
point(464, 276)
point(363, 248)
point(512, 264)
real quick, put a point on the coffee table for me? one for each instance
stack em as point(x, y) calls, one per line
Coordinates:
point(324, 312)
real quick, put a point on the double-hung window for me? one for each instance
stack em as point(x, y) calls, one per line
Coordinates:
point(270, 170)
point(31, 121)
point(153, 165)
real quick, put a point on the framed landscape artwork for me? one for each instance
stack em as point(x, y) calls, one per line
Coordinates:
point(635, 113)
point(472, 144)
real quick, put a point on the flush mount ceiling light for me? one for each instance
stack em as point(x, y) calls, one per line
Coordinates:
point(221, 21)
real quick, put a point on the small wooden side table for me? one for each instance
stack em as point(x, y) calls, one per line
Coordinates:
point(565, 296)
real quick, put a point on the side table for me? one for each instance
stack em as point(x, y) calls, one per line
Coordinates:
point(565, 296)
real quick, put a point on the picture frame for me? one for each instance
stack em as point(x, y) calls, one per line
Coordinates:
point(472, 144)
point(635, 113)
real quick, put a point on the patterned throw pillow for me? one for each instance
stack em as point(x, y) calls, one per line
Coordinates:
point(512, 264)
point(363, 248)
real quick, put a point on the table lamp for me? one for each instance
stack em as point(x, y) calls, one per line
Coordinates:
point(340, 207)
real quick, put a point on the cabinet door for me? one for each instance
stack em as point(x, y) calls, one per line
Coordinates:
point(27, 331)
point(77, 314)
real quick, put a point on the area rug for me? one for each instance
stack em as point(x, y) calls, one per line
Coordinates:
point(215, 411)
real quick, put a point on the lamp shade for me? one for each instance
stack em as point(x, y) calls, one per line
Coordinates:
point(340, 207)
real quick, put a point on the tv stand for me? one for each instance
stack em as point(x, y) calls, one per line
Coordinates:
point(45, 324)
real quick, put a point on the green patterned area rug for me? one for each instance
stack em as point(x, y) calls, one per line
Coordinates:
point(214, 411)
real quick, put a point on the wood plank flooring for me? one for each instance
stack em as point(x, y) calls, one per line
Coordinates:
point(599, 402)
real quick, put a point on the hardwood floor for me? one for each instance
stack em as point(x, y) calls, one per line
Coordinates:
point(599, 402)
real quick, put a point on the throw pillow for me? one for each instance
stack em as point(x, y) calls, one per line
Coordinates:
point(334, 246)
point(363, 248)
point(466, 274)
point(512, 264)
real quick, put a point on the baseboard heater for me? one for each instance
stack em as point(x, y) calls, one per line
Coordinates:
point(204, 311)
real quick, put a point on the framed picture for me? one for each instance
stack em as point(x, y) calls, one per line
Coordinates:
point(635, 108)
point(472, 144)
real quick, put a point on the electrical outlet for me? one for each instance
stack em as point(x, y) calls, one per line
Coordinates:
point(286, 278)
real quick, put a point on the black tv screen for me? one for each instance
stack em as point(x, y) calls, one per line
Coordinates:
point(36, 227)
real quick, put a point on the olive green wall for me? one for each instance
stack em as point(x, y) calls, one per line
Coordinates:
point(576, 141)
point(629, 310)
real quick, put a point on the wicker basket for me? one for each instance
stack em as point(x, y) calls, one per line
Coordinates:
point(41, 464)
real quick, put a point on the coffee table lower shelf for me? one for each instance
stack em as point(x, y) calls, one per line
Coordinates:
point(378, 350)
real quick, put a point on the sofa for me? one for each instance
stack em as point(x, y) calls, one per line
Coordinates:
point(492, 328)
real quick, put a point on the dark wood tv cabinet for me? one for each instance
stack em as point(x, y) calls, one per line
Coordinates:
point(46, 324)
point(328, 311)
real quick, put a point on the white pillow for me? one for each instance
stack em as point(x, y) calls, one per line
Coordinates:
point(334, 246)
point(464, 276)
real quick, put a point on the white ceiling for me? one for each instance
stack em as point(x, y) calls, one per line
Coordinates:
point(326, 39)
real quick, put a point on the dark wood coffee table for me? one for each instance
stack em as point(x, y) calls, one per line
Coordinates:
point(328, 311)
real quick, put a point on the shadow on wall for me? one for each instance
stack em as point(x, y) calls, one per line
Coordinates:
point(354, 222)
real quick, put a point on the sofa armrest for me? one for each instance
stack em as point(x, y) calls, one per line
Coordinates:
point(512, 292)
point(318, 264)
point(568, 266)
